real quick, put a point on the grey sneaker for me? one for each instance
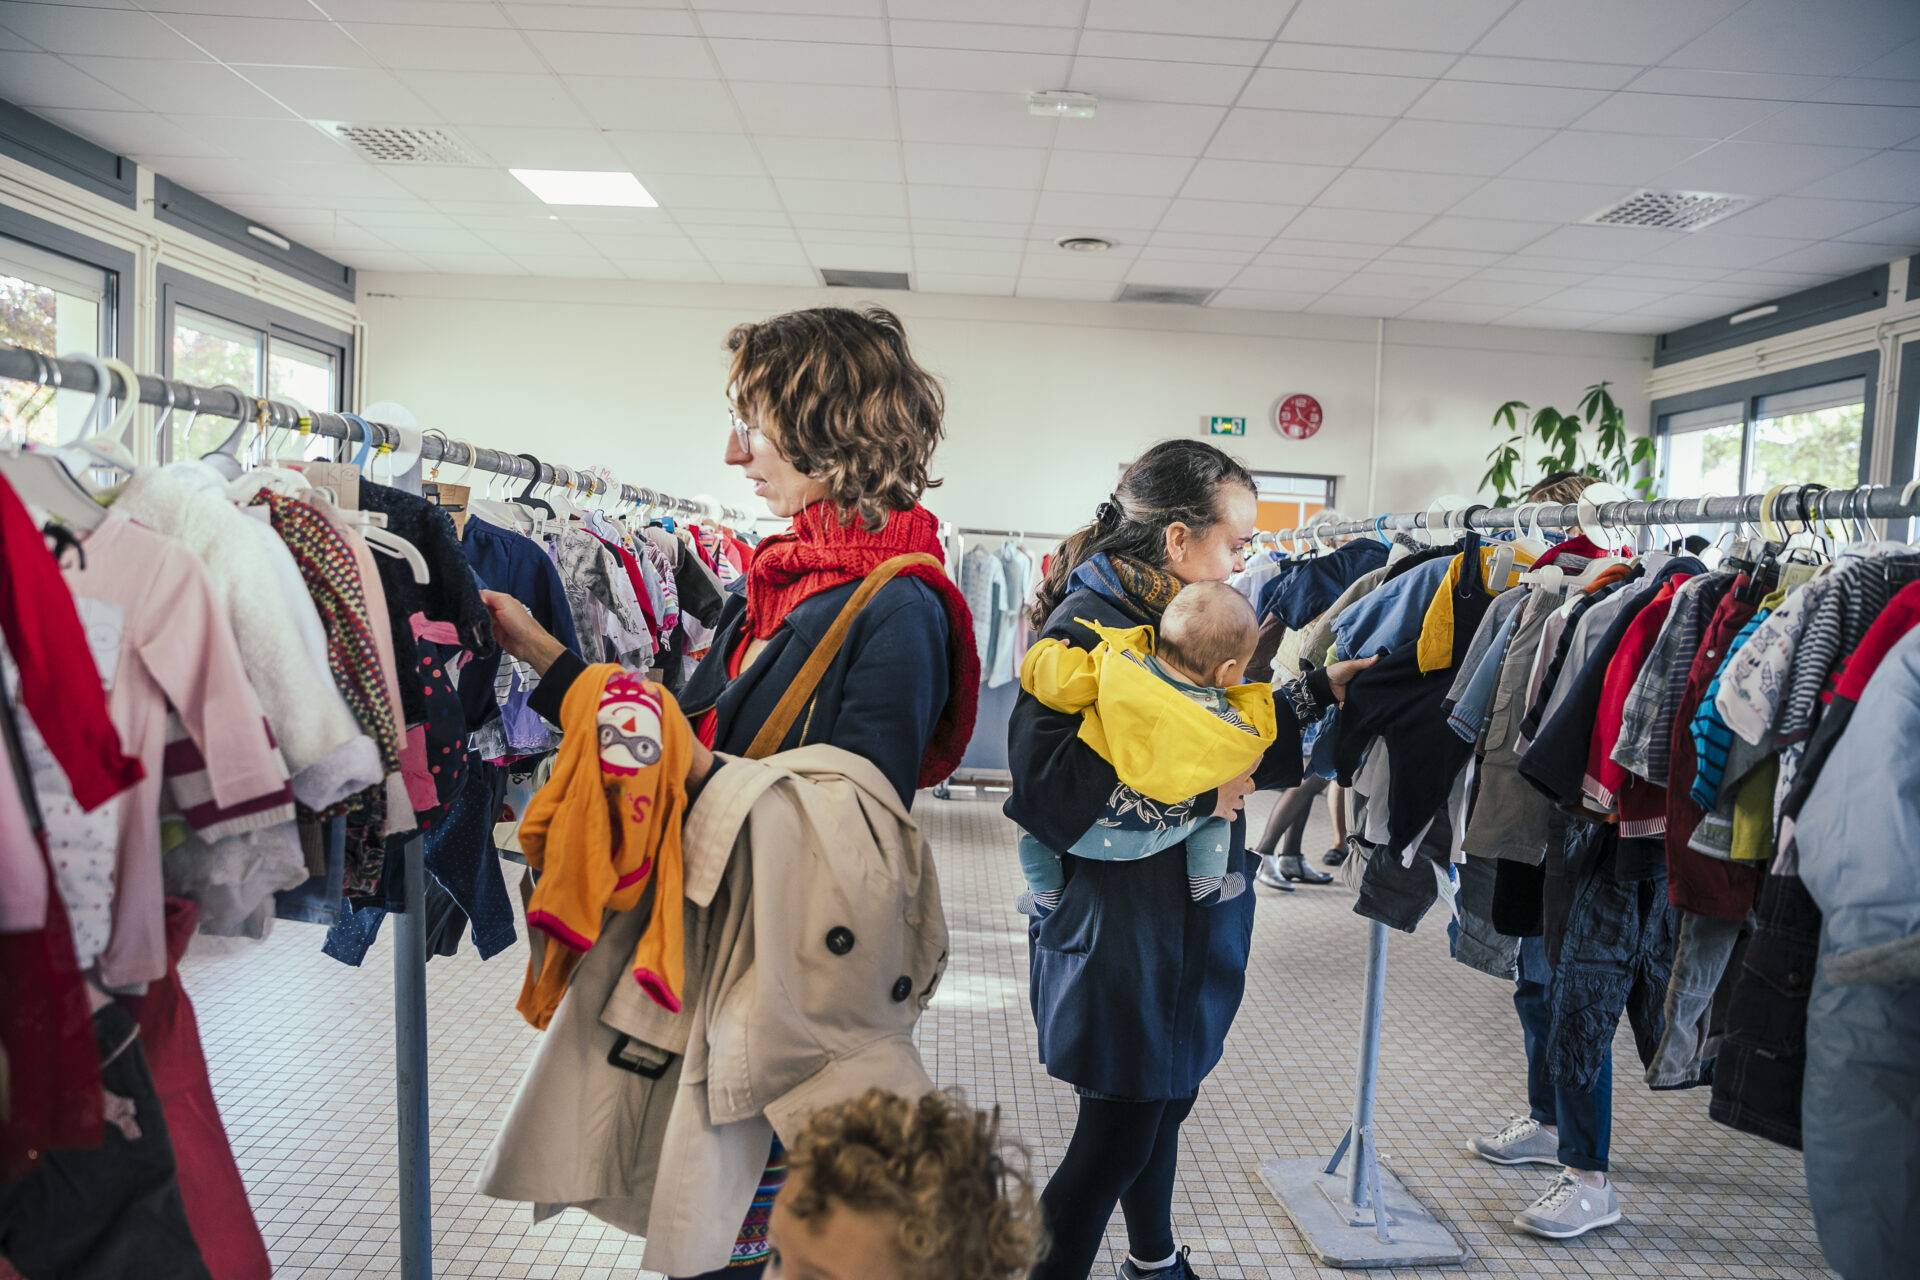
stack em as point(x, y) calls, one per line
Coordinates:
point(1523, 1141)
point(1570, 1208)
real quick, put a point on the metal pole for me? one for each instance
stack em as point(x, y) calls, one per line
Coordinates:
point(1369, 1074)
point(410, 1070)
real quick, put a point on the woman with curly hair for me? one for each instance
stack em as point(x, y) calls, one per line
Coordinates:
point(892, 1188)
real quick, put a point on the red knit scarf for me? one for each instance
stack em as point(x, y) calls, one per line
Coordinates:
point(822, 553)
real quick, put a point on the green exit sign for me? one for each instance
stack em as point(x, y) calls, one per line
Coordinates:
point(1226, 426)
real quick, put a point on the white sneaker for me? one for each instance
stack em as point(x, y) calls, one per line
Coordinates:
point(1523, 1141)
point(1570, 1208)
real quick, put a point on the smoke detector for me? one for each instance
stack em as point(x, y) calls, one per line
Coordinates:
point(1175, 295)
point(1083, 244)
point(1670, 210)
point(400, 143)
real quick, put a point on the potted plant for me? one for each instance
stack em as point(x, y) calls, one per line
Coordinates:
point(1592, 439)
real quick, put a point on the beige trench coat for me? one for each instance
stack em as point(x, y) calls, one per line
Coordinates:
point(810, 861)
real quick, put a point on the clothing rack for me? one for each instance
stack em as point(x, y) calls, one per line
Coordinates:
point(21, 364)
point(1020, 535)
point(415, 1170)
point(1368, 1218)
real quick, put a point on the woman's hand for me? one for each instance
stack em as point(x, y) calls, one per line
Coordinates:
point(1233, 797)
point(517, 632)
point(1341, 674)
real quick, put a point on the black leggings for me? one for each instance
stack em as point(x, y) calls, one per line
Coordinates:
point(1122, 1153)
point(1290, 817)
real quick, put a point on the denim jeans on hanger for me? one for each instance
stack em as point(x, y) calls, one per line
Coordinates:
point(1583, 1117)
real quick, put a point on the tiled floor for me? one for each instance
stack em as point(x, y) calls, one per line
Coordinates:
point(301, 1054)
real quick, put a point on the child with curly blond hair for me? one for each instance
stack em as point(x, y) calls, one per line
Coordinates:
point(889, 1188)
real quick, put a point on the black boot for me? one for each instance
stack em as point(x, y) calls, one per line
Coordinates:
point(1293, 867)
point(1334, 856)
point(1180, 1270)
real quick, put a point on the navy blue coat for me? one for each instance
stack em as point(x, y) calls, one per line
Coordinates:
point(880, 698)
point(1132, 986)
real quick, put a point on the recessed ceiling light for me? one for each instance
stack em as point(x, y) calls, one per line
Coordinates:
point(1062, 103)
point(586, 186)
point(1084, 244)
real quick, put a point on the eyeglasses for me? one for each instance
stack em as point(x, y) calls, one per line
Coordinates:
point(742, 433)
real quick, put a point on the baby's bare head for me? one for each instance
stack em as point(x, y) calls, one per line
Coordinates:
point(1208, 634)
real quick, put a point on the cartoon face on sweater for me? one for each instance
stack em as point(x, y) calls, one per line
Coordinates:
point(629, 726)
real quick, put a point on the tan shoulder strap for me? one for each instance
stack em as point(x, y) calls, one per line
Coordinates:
point(800, 692)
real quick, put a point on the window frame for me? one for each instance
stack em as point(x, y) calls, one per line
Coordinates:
point(179, 289)
point(1332, 483)
point(117, 313)
point(1748, 393)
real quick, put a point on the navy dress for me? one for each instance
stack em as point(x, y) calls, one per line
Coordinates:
point(1133, 987)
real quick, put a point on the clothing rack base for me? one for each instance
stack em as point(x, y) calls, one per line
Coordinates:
point(1365, 1217)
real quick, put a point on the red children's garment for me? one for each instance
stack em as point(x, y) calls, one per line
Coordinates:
point(1609, 786)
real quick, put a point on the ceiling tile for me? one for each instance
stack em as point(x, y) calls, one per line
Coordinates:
point(1263, 299)
point(1032, 286)
point(418, 48)
point(1204, 275)
point(239, 184)
point(1404, 253)
point(343, 181)
point(581, 266)
point(987, 119)
point(513, 147)
point(816, 111)
point(1758, 168)
point(978, 71)
point(852, 159)
point(623, 19)
point(1342, 92)
point(1794, 37)
point(266, 139)
point(495, 99)
point(111, 32)
point(1290, 279)
point(1117, 174)
point(1364, 284)
point(1171, 48)
point(800, 62)
point(1602, 244)
point(674, 106)
point(1550, 317)
point(955, 282)
point(1793, 217)
point(1396, 190)
point(1894, 230)
point(1038, 13)
point(938, 222)
point(966, 261)
point(1249, 19)
point(471, 264)
point(1297, 137)
point(1137, 212)
point(673, 248)
point(1839, 258)
point(183, 88)
point(1365, 226)
point(1498, 293)
point(1544, 71)
point(1400, 24)
point(1444, 312)
point(1059, 264)
point(1691, 82)
point(821, 195)
point(1334, 304)
point(321, 93)
point(687, 190)
point(958, 164)
point(1384, 266)
point(667, 272)
point(1229, 257)
point(1473, 102)
point(828, 254)
point(450, 182)
point(34, 79)
point(877, 230)
point(599, 53)
point(790, 27)
point(1199, 240)
point(1890, 175)
point(1546, 201)
point(135, 133)
point(1491, 234)
point(1834, 125)
point(423, 13)
point(840, 8)
point(1900, 63)
point(1436, 146)
point(272, 41)
point(1676, 115)
point(1345, 250)
point(1252, 180)
point(1227, 218)
point(1143, 81)
point(1143, 128)
point(1529, 275)
point(1603, 157)
point(784, 253)
point(435, 239)
point(396, 262)
point(1368, 61)
point(1005, 38)
point(1636, 31)
point(726, 220)
point(970, 204)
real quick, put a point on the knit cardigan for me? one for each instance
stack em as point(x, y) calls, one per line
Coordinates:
point(282, 644)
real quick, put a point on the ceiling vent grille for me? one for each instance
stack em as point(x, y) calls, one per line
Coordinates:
point(402, 144)
point(835, 277)
point(1175, 295)
point(1670, 210)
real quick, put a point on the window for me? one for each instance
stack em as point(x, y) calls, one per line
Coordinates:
point(1804, 426)
point(1811, 435)
point(216, 337)
point(1288, 501)
point(55, 305)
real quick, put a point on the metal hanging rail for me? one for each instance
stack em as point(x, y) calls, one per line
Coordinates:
point(23, 365)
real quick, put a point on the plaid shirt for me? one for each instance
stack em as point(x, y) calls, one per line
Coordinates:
point(1712, 739)
point(1647, 718)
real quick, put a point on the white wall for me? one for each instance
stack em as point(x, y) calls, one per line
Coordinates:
point(1046, 400)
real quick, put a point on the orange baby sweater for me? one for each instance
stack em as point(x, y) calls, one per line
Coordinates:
point(605, 824)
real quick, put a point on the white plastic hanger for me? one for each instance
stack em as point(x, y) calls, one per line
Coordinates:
point(103, 445)
point(40, 478)
point(225, 456)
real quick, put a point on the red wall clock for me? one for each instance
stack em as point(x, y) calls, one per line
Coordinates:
point(1297, 417)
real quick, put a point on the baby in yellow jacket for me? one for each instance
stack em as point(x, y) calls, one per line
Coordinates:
point(1174, 721)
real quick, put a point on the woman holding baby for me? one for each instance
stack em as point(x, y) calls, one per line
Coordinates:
point(1133, 982)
